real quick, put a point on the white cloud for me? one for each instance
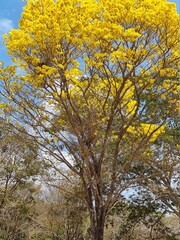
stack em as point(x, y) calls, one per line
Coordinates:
point(5, 25)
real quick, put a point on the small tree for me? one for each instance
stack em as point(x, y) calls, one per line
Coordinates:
point(62, 212)
point(140, 218)
point(18, 166)
point(99, 82)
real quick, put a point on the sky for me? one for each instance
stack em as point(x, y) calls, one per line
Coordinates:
point(10, 13)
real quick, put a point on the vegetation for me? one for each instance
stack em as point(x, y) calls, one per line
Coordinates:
point(95, 107)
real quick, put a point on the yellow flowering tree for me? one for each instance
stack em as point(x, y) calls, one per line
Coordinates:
point(98, 83)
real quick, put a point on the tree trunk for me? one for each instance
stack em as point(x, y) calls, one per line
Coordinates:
point(97, 224)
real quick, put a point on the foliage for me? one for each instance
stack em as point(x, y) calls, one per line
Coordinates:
point(142, 217)
point(62, 213)
point(17, 190)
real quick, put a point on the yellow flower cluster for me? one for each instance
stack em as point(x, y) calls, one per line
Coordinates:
point(150, 131)
point(100, 50)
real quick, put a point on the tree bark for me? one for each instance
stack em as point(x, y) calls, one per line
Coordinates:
point(97, 224)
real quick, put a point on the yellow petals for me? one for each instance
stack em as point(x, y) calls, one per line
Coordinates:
point(151, 131)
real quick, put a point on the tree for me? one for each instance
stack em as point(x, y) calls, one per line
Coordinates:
point(98, 84)
point(62, 212)
point(141, 217)
point(18, 167)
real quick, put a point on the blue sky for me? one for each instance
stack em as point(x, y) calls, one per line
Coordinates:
point(10, 13)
